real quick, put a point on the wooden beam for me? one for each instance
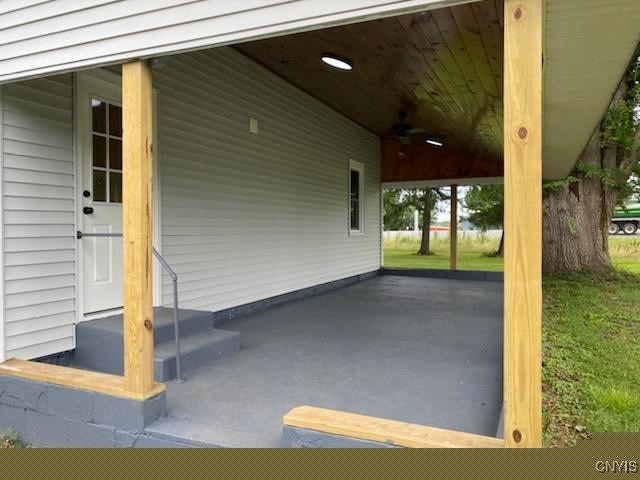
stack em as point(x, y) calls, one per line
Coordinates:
point(523, 223)
point(419, 161)
point(453, 229)
point(74, 378)
point(376, 429)
point(137, 157)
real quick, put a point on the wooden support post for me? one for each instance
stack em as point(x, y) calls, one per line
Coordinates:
point(453, 229)
point(523, 223)
point(137, 157)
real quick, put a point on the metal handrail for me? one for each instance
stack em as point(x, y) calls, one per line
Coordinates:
point(174, 281)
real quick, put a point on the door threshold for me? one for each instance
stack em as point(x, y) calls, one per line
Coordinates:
point(102, 314)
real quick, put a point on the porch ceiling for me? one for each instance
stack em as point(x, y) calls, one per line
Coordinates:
point(444, 67)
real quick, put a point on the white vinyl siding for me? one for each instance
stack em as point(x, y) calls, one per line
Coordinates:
point(244, 216)
point(248, 216)
point(38, 217)
point(45, 37)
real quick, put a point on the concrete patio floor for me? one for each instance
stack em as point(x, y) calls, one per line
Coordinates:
point(420, 350)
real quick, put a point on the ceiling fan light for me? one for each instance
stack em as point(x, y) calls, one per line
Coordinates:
point(336, 61)
point(434, 142)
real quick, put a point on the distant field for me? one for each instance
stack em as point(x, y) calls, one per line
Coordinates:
point(475, 253)
point(625, 252)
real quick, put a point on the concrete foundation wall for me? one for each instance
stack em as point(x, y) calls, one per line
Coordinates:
point(302, 438)
point(47, 415)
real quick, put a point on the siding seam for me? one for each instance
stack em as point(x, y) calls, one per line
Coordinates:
point(3, 340)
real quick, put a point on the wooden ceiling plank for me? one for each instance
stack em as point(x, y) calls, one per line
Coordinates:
point(465, 68)
point(422, 52)
point(471, 34)
point(397, 76)
point(443, 66)
point(448, 88)
point(391, 62)
point(327, 86)
point(410, 71)
point(486, 14)
point(445, 58)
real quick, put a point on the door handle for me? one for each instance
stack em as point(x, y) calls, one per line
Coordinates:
point(87, 210)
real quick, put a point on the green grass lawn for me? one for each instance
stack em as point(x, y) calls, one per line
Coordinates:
point(9, 439)
point(591, 354)
point(591, 336)
point(476, 253)
point(473, 253)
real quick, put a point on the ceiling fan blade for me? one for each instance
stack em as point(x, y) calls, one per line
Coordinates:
point(415, 131)
point(404, 140)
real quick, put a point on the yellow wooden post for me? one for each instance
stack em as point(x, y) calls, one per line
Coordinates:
point(453, 229)
point(137, 151)
point(523, 223)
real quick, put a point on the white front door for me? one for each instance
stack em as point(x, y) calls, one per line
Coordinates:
point(100, 156)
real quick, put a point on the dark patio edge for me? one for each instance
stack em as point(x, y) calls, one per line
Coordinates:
point(448, 274)
point(222, 316)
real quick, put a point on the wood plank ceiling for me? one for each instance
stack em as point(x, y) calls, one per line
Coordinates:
point(444, 67)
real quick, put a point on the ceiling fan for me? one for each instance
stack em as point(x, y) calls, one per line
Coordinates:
point(404, 132)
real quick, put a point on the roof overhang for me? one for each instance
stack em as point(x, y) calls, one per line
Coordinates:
point(588, 44)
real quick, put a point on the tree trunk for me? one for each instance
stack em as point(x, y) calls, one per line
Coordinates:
point(426, 225)
point(500, 251)
point(576, 217)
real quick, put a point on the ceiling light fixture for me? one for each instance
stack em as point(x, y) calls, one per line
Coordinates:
point(435, 143)
point(336, 61)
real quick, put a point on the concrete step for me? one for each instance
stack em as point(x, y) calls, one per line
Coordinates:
point(191, 321)
point(195, 350)
point(99, 344)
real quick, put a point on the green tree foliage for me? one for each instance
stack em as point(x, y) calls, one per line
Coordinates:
point(485, 204)
point(620, 130)
point(398, 213)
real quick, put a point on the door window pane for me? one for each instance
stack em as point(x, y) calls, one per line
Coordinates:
point(115, 154)
point(99, 185)
point(99, 114)
point(99, 151)
point(115, 187)
point(115, 120)
point(107, 151)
